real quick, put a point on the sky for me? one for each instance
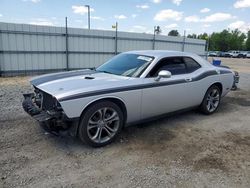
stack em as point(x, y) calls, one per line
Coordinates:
point(193, 16)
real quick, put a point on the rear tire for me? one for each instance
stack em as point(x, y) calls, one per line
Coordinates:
point(100, 124)
point(211, 100)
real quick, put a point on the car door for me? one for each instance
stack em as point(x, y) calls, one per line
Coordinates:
point(170, 94)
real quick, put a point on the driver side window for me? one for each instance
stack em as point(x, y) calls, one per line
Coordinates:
point(175, 65)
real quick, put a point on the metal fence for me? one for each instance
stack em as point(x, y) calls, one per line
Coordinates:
point(29, 49)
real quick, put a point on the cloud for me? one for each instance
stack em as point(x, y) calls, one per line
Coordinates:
point(177, 2)
point(217, 17)
point(236, 25)
point(1, 15)
point(171, 26)
point(97, 18)
point(81, 9)
point(204, 10)
point(242, 4)
point(145, 6)
point(79, 21)
point(140, 27)
point(193, 18)
point(156, 1)
point(134, 15)
point(33, 1)
point(206, 25)
point(241, 25)
point(168, 14)
point(120, 16)
point(44, 23)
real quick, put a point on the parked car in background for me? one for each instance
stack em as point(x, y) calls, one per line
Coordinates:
point(232, 53)
point(248, 54)
point(132, 87)
point(242, 54)
point(235, 54)
point(213, 53)
point(221, 54)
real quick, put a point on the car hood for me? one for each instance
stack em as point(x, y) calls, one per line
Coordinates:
point(69, 83)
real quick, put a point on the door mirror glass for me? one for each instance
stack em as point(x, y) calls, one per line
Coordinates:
point(163, 74)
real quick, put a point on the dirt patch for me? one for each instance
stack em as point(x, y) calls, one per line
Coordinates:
point(238, 139)
point(210, 162)
point(240, 97)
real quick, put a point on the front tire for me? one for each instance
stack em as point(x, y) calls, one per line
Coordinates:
point(100, 124)
point(211, 100)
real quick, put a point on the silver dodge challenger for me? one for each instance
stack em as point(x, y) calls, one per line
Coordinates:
point(132, 87)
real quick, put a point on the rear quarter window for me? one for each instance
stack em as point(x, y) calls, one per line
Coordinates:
point(191, 64)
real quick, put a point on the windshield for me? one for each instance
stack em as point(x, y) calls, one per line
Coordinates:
point(131, 65)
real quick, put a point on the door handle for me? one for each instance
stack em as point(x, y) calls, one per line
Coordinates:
point(188, 79)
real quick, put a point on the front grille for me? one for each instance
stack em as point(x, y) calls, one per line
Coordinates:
point(48, 102)
point(44, 100)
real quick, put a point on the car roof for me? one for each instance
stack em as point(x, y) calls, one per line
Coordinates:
point(160, 53)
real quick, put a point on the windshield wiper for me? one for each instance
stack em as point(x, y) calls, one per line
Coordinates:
point(92, 68)
point(105, 72)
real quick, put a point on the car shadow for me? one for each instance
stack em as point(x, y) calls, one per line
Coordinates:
point(154, 131)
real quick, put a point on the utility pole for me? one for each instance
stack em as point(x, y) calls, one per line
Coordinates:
point(157, 30)
point(88, 15)
point(184, 40)
point(154, 38)
point(66, 42)
point(207, 46)
point(116, 33)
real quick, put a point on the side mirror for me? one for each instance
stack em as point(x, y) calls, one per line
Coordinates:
point(163, 74)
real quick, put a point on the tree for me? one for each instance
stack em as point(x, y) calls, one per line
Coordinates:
point(227, 40)
point(236, 40)
point(193, 36)
point(248, 41)
point(173, 33)
point(203, 36)
point(220, 41)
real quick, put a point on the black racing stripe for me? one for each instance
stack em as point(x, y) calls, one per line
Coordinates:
point(57, 76)
point(121, 89)
point(225, 72)
point(204, 75)
point(130, 88)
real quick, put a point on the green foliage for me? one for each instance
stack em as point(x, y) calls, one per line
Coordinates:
point(248, 41)
point(173, 33)
point(193, 36)
point(220, 41)
point(203, 36)
point(225, 40)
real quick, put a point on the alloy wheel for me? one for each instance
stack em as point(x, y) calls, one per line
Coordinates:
point(103, 125)
point(213, 99)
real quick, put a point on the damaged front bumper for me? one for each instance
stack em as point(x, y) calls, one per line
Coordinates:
point(236, 80)
point(37, 113)
point(53, 121)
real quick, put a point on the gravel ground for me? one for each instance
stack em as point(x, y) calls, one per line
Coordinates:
point(186, 150)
